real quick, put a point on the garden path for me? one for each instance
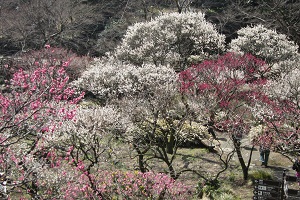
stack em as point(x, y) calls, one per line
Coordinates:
point(277, 162)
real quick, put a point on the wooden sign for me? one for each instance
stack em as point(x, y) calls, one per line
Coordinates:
point(267, 190)
point(268, 182)
point(276, 190)
point(264, 198)
point(266, 193)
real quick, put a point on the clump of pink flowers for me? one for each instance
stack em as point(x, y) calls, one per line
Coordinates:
point(130, 185)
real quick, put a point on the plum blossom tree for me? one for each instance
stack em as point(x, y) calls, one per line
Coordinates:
point(107, 80)
point(225, 87)
point(154, 111)
point(280, 53)
point(81, 145)
point(34, 103)
point(280, 109)
point(171, 38)
point(142, 93)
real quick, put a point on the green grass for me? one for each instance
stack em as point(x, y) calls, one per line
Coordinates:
point(260, 174)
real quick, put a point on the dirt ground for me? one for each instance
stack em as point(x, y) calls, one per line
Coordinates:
point(208, 164)
point(276, 166)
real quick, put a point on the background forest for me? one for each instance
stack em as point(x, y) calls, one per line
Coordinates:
point(115, 99)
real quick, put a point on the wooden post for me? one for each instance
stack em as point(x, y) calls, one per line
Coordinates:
point(283, 184)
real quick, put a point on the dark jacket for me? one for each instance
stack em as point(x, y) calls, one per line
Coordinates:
point(296, 166)
point(264, 149)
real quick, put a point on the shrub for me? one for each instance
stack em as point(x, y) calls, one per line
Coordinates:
point(260, 174)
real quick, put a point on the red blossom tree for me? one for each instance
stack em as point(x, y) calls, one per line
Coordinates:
point(225, 89)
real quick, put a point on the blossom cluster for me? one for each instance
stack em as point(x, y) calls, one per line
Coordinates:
point(222, 81)
point(266, 44)
point(279, 108)
point(132, 185)
point(170, 39)
point(227, 88)
point(111, 80)
point(36, 94)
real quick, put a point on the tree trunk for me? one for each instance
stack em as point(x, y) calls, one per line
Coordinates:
point(172, 171)
point(170, 143)
point(140, 159)
point(237, 146)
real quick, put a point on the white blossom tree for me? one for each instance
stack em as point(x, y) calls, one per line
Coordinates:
point(280, 53)
point(172, 38)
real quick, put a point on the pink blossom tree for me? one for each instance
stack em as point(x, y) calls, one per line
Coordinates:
point(52, 56)
point(278, 108)
point(34, 103)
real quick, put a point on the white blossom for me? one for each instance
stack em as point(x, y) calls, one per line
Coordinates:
point(171, 38)
point(286, 87)
point(255, 131)
point(274, 48)
point(91, 123)
point(111, 80)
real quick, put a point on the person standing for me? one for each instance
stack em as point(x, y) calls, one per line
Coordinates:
point(264, 152)
point(265, 142)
